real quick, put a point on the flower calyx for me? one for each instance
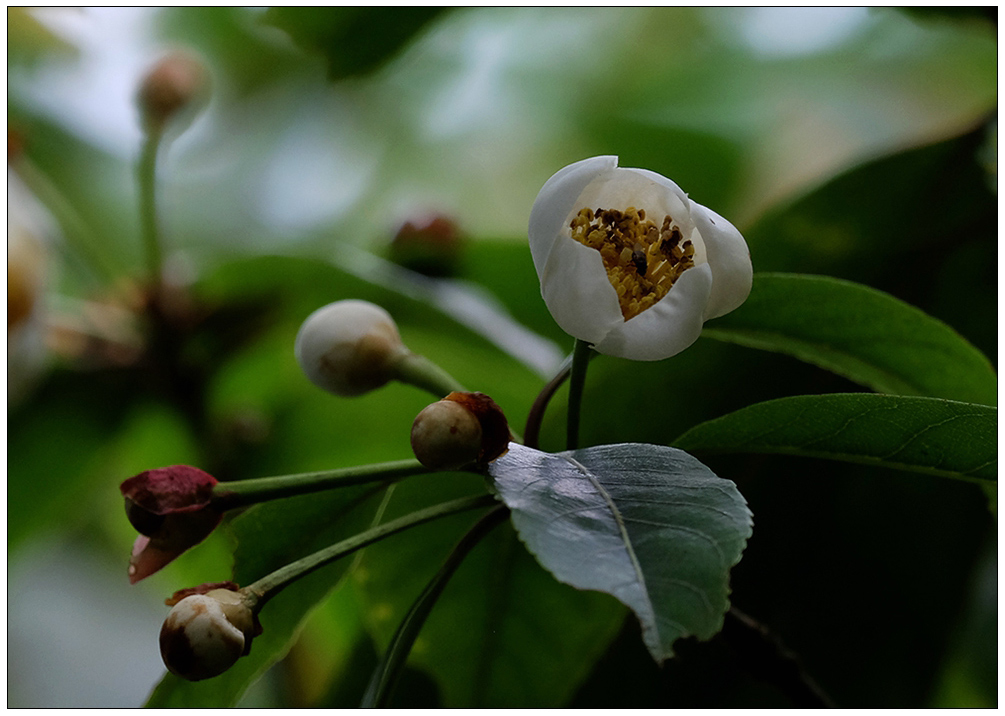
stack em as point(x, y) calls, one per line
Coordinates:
point(462, 430)
point(172, 509)
point(629, 263)
point(208, 629)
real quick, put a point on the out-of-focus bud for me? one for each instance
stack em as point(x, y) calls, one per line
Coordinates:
point(171, 508)
point(430, 245)
point(178, 84)
point(206, 633)
point(349, 347)
point(462, 429)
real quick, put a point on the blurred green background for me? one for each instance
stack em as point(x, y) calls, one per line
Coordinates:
point(852, 142)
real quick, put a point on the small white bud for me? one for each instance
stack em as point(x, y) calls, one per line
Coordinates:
point(205, 634)
point(349, 347)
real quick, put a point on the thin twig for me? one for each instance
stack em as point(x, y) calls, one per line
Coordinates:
point(769, 659)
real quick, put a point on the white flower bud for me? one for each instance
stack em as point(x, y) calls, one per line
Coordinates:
point(205, 634)
point(349, 347)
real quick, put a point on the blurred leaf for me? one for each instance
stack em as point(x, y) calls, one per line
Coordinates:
point(862, 334)
point(504, 633)
point(46, 486)
point(969, 677)
point(265, 542)
point(648, 524)
point(355, 40)
point(936, 14)
point(236, 47)
point(920, 224)
point(929, 435)
point(29, 41)
point(302, 428)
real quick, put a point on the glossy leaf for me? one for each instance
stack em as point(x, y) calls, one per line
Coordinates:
point(863, 334)
point(648, 524)
point(937, 437)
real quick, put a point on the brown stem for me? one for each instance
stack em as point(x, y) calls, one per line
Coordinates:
point(532, 431)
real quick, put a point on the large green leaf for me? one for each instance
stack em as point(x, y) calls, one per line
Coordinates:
point(265, 543)
point(648, 524)
point(938, 437)
point(504, 633)
point(863, 334)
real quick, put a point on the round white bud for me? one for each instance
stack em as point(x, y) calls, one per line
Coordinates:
point(205, 634)
point(349, 347)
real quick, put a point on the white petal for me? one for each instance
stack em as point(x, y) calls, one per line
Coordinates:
point(680, 209)
point(729, 258)
point(578, 293)
point(667, 328)
point(556, 200)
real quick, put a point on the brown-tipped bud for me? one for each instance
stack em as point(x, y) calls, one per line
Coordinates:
point(462, 429)
point(205, 634)
point(177, 82)
point(349, 347)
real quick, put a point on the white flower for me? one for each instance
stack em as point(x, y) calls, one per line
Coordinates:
point(631, 265)
point(349, 347)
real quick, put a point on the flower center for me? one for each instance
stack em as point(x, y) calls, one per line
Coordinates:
point(642, 260)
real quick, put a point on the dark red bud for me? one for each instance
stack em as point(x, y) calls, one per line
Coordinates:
point(178, 488)
point(171, 508)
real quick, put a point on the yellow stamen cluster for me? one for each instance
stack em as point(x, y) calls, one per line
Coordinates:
point(642, 260)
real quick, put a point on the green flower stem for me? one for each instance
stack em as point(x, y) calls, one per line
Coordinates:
point(386, 674)
point(423, 373)
point(258, 593)
point(577, 381)
point(147, 174)
point(228, 495)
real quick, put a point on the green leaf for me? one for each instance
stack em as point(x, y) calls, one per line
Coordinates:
point(860, 333)
point(354, 40)
point(265, 543)
point(504, 633)
point(929, 435)
point(648, 524)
